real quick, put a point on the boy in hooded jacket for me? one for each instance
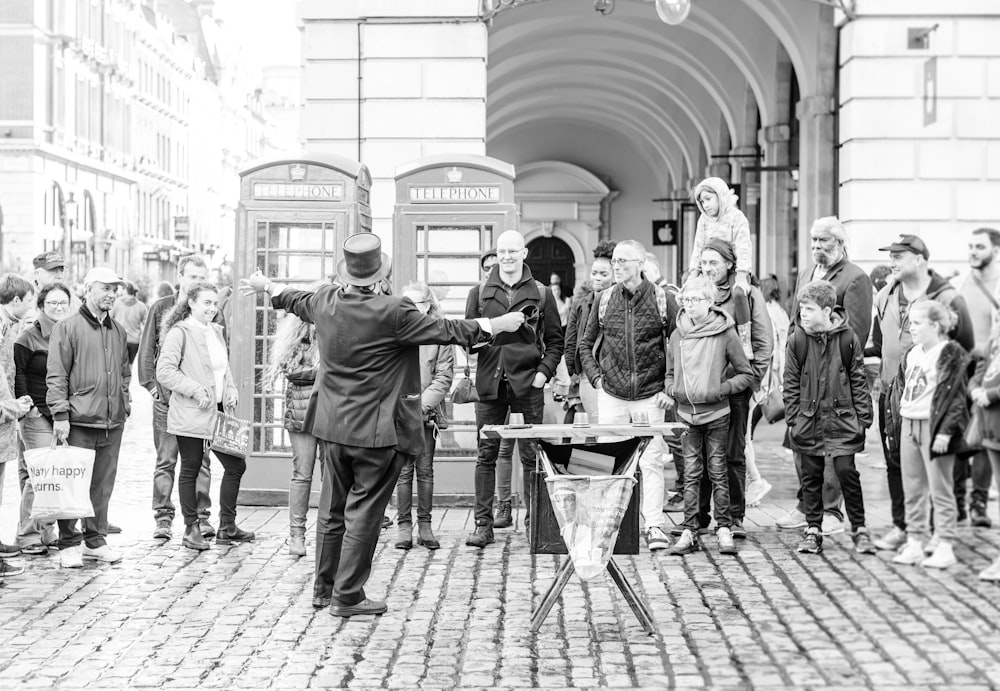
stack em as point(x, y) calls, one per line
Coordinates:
point(828, 408)
point(705, 365)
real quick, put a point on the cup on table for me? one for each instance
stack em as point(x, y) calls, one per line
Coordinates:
point(516, 420)
point(581, 420)
point(640, 418)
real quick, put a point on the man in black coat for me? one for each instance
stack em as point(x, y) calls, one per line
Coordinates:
point(365, 406)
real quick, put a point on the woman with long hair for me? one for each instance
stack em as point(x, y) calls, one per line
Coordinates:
point(295, 357)
point(194, 366)
point(437, 368)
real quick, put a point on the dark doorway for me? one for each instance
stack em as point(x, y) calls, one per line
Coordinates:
point(547, 256)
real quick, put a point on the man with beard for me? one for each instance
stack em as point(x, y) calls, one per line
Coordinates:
point(854, 294)
point(979, 288)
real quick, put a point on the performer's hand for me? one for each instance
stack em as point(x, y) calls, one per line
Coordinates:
point(60, 428)
point(509, 322)
point(256, 283)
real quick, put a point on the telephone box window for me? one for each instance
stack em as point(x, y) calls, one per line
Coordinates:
point(448, 260)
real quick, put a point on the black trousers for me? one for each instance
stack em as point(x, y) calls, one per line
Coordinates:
point(106, 444)
point(893, 470)
point(813, 471)
point(736, 463)
point(357, 485)
point(193, 457)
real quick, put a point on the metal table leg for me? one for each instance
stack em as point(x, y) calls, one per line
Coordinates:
point(633, 599)
point(552, 594)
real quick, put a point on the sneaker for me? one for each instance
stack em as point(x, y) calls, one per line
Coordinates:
point(71, 557)
point(9, 551)
point(739, 532)
point(943, 557)
point(756, 490)
point(726, 544)
point(892, 541)
point(503, 518)
point(863, 542)
point(102, 553)
point(656, 539)
point(686, 544)
point(793, 520)
point(932, 545)
point(35, 549)
point(674, 504)
point(911, 553)
point(832, 525)
point(812, 542)
point(162, 530)
point(7, 569)
point(991, 572)
point(978, 517)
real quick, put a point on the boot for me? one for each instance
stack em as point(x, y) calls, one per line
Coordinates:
point(193, 538)
point(425, 536)
point(230, 533)
point(503, 518)
point(482, 536)
point(297, 545)
point(405, 540)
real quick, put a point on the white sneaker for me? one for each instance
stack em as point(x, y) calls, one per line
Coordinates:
point(932, 545)
point(991, 572)
point(793, 520)
point(102, 553)
point(71, 557)
point(893, 540)
point(832, 525)
point(656, 539)
point(911, 553)
point(756, 489)
point(943, 557)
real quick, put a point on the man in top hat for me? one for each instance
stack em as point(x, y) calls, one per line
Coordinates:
point(365, 406)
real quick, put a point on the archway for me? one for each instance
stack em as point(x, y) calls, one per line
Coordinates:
point(550, 255)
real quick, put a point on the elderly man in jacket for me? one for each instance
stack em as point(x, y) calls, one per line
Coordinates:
point(629, 368)
point(365, 406)
point(88, 378)
point(718, 262)
point(510, 378)
point(854, 295)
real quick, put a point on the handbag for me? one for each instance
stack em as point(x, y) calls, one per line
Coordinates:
point(773, 403)
point(60, 476)
point(974, 432)
point(231, 435)
point(465, 390)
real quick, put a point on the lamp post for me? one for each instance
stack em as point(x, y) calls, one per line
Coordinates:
point(69, 219)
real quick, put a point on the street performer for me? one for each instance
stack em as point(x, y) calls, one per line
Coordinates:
point(365, 406)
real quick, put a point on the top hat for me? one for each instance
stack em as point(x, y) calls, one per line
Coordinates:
point(364, 262)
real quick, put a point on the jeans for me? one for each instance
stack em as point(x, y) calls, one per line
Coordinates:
point(893, 470)
point(166, 466)
point(613, 410)
point(424, 463)
point(927, 481)
point(813, 484)
point(192, 451)
point(36, 433)
point(106, 444)
point(978, 468)
point(736, 466)
point(675, 444)
point(705, 448)
point(505, 469)
point(832, 495)
point(304, 447)
point(494, 413)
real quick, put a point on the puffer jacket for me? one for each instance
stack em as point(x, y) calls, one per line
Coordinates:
point(633, 340)
point(298, 388)
point(437, 370)
point(185, 367)
point(987, 376)
point(88, 371)
point(828, 405)
point(949, 402)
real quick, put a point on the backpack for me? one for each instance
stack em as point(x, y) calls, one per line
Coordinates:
point(800, 346)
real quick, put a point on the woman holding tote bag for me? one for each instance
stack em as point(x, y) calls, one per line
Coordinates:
point(194, 366)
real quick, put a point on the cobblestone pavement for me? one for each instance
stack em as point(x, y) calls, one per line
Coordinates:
point(242, 617)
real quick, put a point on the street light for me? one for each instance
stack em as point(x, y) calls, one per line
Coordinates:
point(69, 219)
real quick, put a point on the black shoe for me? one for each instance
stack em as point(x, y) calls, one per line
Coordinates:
point(963, 515)
point(739, 532)
point(675, 503)
point(482, 536)
point(9, 551)
point(113, 529)
point(812, 542)
point(366, 606)
point(978, 517)
point(228, 534)
point(193, 539)
point(503, 518)
point(321, 601)
point(207, 531)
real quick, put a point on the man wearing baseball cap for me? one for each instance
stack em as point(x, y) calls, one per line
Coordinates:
point(914, 280)
point(88, 360)
point(50, 267)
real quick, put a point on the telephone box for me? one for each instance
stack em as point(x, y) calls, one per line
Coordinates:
point(292, 219)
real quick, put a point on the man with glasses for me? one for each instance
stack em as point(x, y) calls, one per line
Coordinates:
point(510, 378)
point(854, 294)
point(630, 326)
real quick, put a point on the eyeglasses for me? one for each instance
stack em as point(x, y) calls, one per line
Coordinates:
point(61, 304)
point(623, 262)
point(691, 299)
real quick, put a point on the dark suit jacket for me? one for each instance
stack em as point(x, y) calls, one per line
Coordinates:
point(854, 294)
point(367, 390)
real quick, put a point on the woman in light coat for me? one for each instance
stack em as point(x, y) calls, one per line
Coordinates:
point(437, 368)
point(194, 366)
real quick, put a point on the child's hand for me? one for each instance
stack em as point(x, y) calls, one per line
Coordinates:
point(940, 444)
point(743, 282)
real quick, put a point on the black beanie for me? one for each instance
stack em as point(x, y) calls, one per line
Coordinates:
point(725, 249)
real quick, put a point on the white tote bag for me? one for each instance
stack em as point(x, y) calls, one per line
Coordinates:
point(60, 476)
